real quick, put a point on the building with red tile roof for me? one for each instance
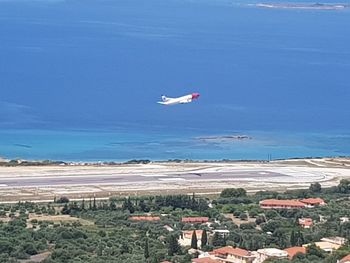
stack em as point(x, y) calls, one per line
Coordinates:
point(194, 220)
point(345, 259)
point(229, 254)
point(313, 201)
point(305, 222)
point(281, 204)
point(292, 251)
point(144, 218)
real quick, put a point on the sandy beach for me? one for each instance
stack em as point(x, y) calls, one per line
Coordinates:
point(81, 181)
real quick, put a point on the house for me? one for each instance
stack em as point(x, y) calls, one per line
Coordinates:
point(345, 259)
point(205, 260)
point(186, 238)
point(195, 220)
point(335, 240)
point(281, 204)
point(169, 228)
point(344, 219)
point(292, 251)
point(270, 253)
point(144, 218)
point(329, 244)
point(229, 254)
point(312, 202)
point(305, 222)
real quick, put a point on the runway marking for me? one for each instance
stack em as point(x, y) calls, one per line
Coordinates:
point(172, 179)
point(152, 175)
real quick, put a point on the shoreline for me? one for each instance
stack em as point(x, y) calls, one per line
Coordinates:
point(25, 162)
point(315, 6)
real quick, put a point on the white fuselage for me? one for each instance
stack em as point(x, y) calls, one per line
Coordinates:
point(180, 100)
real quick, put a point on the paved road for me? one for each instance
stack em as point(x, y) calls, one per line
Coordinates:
point(54, 180)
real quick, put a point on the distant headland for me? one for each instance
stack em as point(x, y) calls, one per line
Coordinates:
point(224, 138)
point(316, 6)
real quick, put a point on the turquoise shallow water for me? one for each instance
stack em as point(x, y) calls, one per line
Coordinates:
point(123, 144)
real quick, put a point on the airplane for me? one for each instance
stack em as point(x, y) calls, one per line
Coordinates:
point(180, 100)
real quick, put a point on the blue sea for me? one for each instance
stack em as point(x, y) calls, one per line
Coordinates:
point(79, 79)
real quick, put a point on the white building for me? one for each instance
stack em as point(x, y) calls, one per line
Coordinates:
point(344, 219)
point(270, 253)
point(186, 238)
point(229, 254)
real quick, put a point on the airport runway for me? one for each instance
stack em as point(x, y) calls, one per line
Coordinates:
point(120, 179)
point(79, 181)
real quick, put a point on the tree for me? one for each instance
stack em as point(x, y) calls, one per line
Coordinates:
point(280, 238)
point(112, 205)
point(173, 245)
point(259, 220)
point(100, 249)
point(29, 248)
point(253, 213)
point(194, 240)
point(202, 205)
point(293, 238)
point(271, 214)
point(65, 209)
point(83, 205)
point(218, 240)
point(193, 202)
point(299, 237)
point(315, 188)
point(246, 226)
point(344, 186)
point(146, 252)
point(315, 251)
point(94, 204)
point(128, 205)
point(142, 206)
point(243, 216)
point(204, 238)
point(62, 200)
point(5, 246)
point(233, 192)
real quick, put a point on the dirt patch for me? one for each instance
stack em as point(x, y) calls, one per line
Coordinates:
point(238, 221)
point(58, 219)
point(36, 258)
